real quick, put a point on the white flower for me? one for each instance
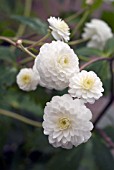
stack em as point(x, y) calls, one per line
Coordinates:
point(98, 32)
point(67, 122)
point(27, 79)
point(56, 64)
point(86, 85)
point(60, 30)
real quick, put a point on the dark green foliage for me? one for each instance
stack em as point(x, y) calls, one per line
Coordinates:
point(36, 24)
point(108, 16)
point(109, 47)
point(102, 154)
point(24, 147)
point(109, 130)
point(86, 51)
point(7, 55)
point(67, 159)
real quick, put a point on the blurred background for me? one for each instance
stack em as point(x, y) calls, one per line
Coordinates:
point(24, 147)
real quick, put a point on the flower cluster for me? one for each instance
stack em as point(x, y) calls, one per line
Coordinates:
point(66, 118)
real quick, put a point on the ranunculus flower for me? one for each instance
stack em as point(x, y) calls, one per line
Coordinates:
point(56, 64)
point(98, 32)
point(60, 30)
point(67, 122)
point(86, 85)
point(27, 79)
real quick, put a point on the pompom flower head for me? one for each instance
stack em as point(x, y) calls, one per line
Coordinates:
point(60, 30)
point(98, 32)
point(67, 122)
point(27, 79)
point(56, 63)
point(86, 85)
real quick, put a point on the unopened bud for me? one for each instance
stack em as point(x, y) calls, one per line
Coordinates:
point(19, 42)
point(89, 2)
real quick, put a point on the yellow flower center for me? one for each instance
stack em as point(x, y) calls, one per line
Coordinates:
point(63, 61)
point(63, 26)
point(64, 123)
point(88, 83)
point(26, 79)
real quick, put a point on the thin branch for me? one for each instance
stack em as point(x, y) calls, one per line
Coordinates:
point(40, 41)
point(26, 50)
point(103, 112)
point(71, 17)
point(17, 44)
point(84, 17)
point(93, 61)
point(111, 95)
point(25, 41)
point(27, 11)
point(20, 118)
point(26, 60)
point(107, 139)
point(29, 36)
point(75, 42)
point(8, 40)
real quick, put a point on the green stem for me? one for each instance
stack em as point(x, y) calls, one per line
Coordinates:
point(71, 17)
point(20, 46)
point(27, 51)
point(77, 42)
point(20, 118)
point(27, 10)
point(40, 41)
point(8, 40)
point(26, 60)
point(93, 61)
point(25, 41)
point(84, 17)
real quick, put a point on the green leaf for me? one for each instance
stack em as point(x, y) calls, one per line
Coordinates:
point(21, 101)
point(102, 155)
point(109, 47)
point(67, 159)
point(109, 130)
point(8, 33)
point(88, 159)
point(6, 54)
point(34, 23)
point(7, 76)
point(85, 51)
point(108, 17)
point(7, 6)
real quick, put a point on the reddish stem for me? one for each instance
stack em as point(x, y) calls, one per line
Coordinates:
point(93, 61)
point(107, 139)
